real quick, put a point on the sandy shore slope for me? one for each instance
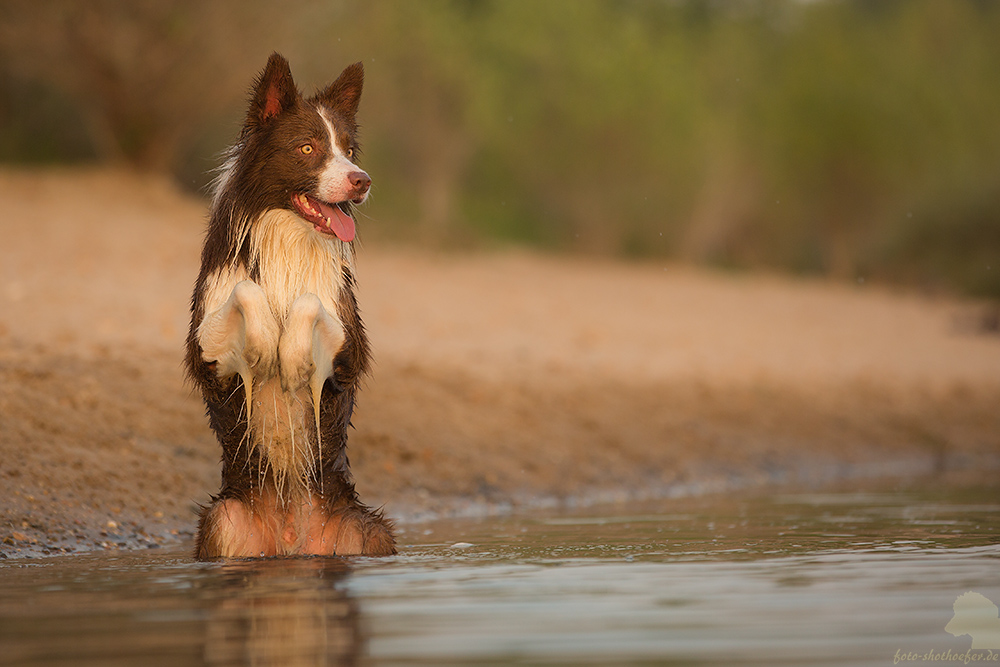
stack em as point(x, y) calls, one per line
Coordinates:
point(501, 380)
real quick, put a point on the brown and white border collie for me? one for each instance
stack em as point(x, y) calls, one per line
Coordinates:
point(276, 345)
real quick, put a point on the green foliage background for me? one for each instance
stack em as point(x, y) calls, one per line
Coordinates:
point(846, 138)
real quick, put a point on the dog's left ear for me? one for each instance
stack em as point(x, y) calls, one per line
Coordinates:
point(273, 92)
point(344, 94)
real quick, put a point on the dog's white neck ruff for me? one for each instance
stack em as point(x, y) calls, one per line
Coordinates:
point(292, 259)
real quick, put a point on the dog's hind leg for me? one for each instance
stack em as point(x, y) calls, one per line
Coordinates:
point(230, 529)
point(241, 337)
point(348, 531)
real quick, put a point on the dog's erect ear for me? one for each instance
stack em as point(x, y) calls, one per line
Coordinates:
point(273, 93)
point(344, 94)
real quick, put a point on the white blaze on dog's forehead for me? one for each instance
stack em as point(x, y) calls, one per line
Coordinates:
point(332, 133)
point(333, 185)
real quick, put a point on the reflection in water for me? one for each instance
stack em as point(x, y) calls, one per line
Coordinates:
point(291, 612)
point(845, 579)
point(165, 609)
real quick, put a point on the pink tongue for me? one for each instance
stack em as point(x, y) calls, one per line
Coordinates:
point(340, 223)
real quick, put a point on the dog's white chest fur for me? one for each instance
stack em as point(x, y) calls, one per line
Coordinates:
point(291, 260)
point(281, 340)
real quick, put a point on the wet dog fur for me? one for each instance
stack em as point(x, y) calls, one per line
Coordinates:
point(276, 345)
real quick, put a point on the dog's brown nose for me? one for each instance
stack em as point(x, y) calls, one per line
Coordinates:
point(359, 182)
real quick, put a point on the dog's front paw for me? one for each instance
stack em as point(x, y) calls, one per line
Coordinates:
point(295, 369)
point(241, 336)
point(260, 349)
point(311, 339)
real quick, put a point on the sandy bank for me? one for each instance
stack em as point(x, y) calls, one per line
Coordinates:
point(500, 379)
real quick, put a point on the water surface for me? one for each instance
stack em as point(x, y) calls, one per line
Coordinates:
point(845, 578)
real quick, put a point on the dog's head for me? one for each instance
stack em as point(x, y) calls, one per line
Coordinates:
point(298, 153)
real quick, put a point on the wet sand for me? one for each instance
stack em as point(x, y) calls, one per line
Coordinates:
point(502, 381)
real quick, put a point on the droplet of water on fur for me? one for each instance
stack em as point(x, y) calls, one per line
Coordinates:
point(261, 554)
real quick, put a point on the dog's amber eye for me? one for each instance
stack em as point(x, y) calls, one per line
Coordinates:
point(350, 153)
point(306, 149)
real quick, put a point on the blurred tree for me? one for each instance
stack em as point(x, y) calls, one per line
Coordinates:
point(838, 137)
point(144, 73)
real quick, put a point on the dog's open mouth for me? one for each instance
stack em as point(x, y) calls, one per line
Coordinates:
point(326, 218)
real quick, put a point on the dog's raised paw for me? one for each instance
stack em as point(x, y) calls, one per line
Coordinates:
point(294, 375)
point(260, 349)
point(311, 339)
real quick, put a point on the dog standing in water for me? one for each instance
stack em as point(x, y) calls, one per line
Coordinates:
point(276, 345)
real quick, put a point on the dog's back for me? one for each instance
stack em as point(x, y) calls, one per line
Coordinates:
point(276, 345)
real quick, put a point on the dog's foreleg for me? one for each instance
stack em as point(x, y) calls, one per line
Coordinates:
point(311, 340)
point(241, 337)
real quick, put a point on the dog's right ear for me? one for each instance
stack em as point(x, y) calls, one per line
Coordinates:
point(273, 92)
